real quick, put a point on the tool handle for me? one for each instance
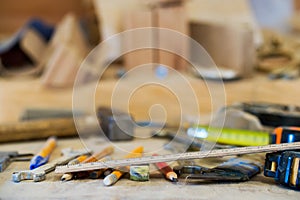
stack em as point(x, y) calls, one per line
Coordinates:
point(37, 129)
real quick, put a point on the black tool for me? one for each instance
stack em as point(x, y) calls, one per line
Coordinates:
point(6, 157)
point(231, 170)
point(270, 114)
point(116, 125)
point(284, 168)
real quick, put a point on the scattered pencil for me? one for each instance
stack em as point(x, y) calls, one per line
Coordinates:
point(116, 174)
point(112, 178)
point(67, 177)
point(166, 170)
point(78, 160)
point(93, 158)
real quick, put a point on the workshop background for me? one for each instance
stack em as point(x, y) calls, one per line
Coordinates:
point(63, 77)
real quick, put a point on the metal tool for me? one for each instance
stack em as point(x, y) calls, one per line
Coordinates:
point(271, 114)
point(179, 156)
point(286, 134)
point(116, 125)
point(6, 157)
point(47, 113)
point(39, 174)
point(284, 167)
point(231, 170)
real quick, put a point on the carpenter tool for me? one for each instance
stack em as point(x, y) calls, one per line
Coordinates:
point(47, 113)
point(271, 114)
point(286, 134)
point(179, 156)
point(284, 168)
point(65, 127)
point(39, 174)
point(246, 137)
point(37, 129)
point(232, 170)
point(230, 136)
point(115, 124)
point(6, 157)
point(43, 156)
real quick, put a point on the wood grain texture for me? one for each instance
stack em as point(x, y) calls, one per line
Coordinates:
point(37, 129)
point(18, 94)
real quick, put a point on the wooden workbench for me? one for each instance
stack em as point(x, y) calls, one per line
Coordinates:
point(17, 94)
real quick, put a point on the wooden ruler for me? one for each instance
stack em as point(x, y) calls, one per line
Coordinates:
point(179, 156)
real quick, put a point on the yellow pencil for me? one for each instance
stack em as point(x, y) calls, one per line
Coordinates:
point(43, 156)
point(93, 158)
point(117, 174)
point(77, 160)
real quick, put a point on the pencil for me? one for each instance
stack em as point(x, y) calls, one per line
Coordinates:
point(78, 160)
point(43, 156)
point(166, 170)
point(69, 176)
point(93, 158)
point(117, 174)
point(97, 173)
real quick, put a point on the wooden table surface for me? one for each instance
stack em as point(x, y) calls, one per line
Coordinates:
point(17, 94)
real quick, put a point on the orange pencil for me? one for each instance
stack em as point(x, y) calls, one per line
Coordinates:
point(93, 158)
point(116, 174)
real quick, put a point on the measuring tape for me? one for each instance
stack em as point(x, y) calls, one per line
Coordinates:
point(230, 136)
point(174, 157)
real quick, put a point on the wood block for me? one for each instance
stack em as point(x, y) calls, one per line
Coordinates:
point(65, 53)
point(133, 20)
point(229, 46)
point(173, 18)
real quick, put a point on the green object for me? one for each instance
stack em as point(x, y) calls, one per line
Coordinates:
point(237, 137)
point(139, 172)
